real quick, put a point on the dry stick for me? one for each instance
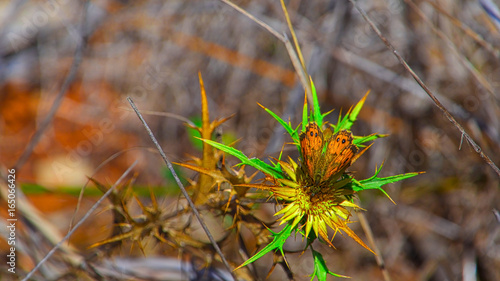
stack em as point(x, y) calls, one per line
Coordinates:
point(298, 69)
point(497, 214)
point(96, 170)
point(256, 20)
point(448, 115)
point(292, 31)
point(296, 54)
point(291, 51)
point(467, 30)
point(475, 73)
point(62, 92)
point(181, 186)
point(84, 218)
point(371, 240)
point(164, 114)
point(406, 84)
point(296, 43)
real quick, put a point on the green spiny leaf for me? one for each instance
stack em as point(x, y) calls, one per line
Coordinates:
point(358, 140)
point(279, 240)
point(317, 117)
point(305, 110)
point(344, 124)
point(354, 113)
point(351, 116)
point(293, 133)
point(375, 182)
point(253, 162)
point(326, 113)
point(320, 268)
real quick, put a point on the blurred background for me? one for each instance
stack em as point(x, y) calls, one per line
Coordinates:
point(89, 56)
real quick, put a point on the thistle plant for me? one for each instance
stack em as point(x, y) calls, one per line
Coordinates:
point(316, 191)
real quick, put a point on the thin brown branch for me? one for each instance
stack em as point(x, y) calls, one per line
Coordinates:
point(256, 20)
point(371, 240)
point(467, 30)
point(294, 55)
point(446, 113)
point(164, 114)
point(385, 74)
point(182, 188)
point(84, 218)
point(294, 36)
point(475, 73)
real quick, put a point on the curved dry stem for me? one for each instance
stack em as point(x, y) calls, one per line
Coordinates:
point(371, 240)
point(182, 188)
point(295, 56)
point(446, 113)
point(256, 20)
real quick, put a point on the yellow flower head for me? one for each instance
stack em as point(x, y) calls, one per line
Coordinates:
point(314, 193)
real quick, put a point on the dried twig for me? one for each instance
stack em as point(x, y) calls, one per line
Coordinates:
point(467, 30)
point(385, 74)
point(371, 240)
point(181, 186)
point(446, 113)
point(256, 20)
point(472, 69)
point(84, 218)
point(295, 56)
point(497, 214)
point(302, 70)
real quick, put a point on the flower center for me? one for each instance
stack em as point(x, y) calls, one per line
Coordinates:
point(312, 201)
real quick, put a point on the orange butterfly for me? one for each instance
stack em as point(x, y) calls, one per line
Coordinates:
point(325, 155)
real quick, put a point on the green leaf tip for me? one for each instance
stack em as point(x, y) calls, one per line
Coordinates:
point(375, 182)
point(279, 240)
point(320, 268)
point(348, 120)
point(317, 116)
point(293, 133)
point(253, 162)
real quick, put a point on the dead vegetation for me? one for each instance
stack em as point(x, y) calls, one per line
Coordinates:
point(442, 228)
